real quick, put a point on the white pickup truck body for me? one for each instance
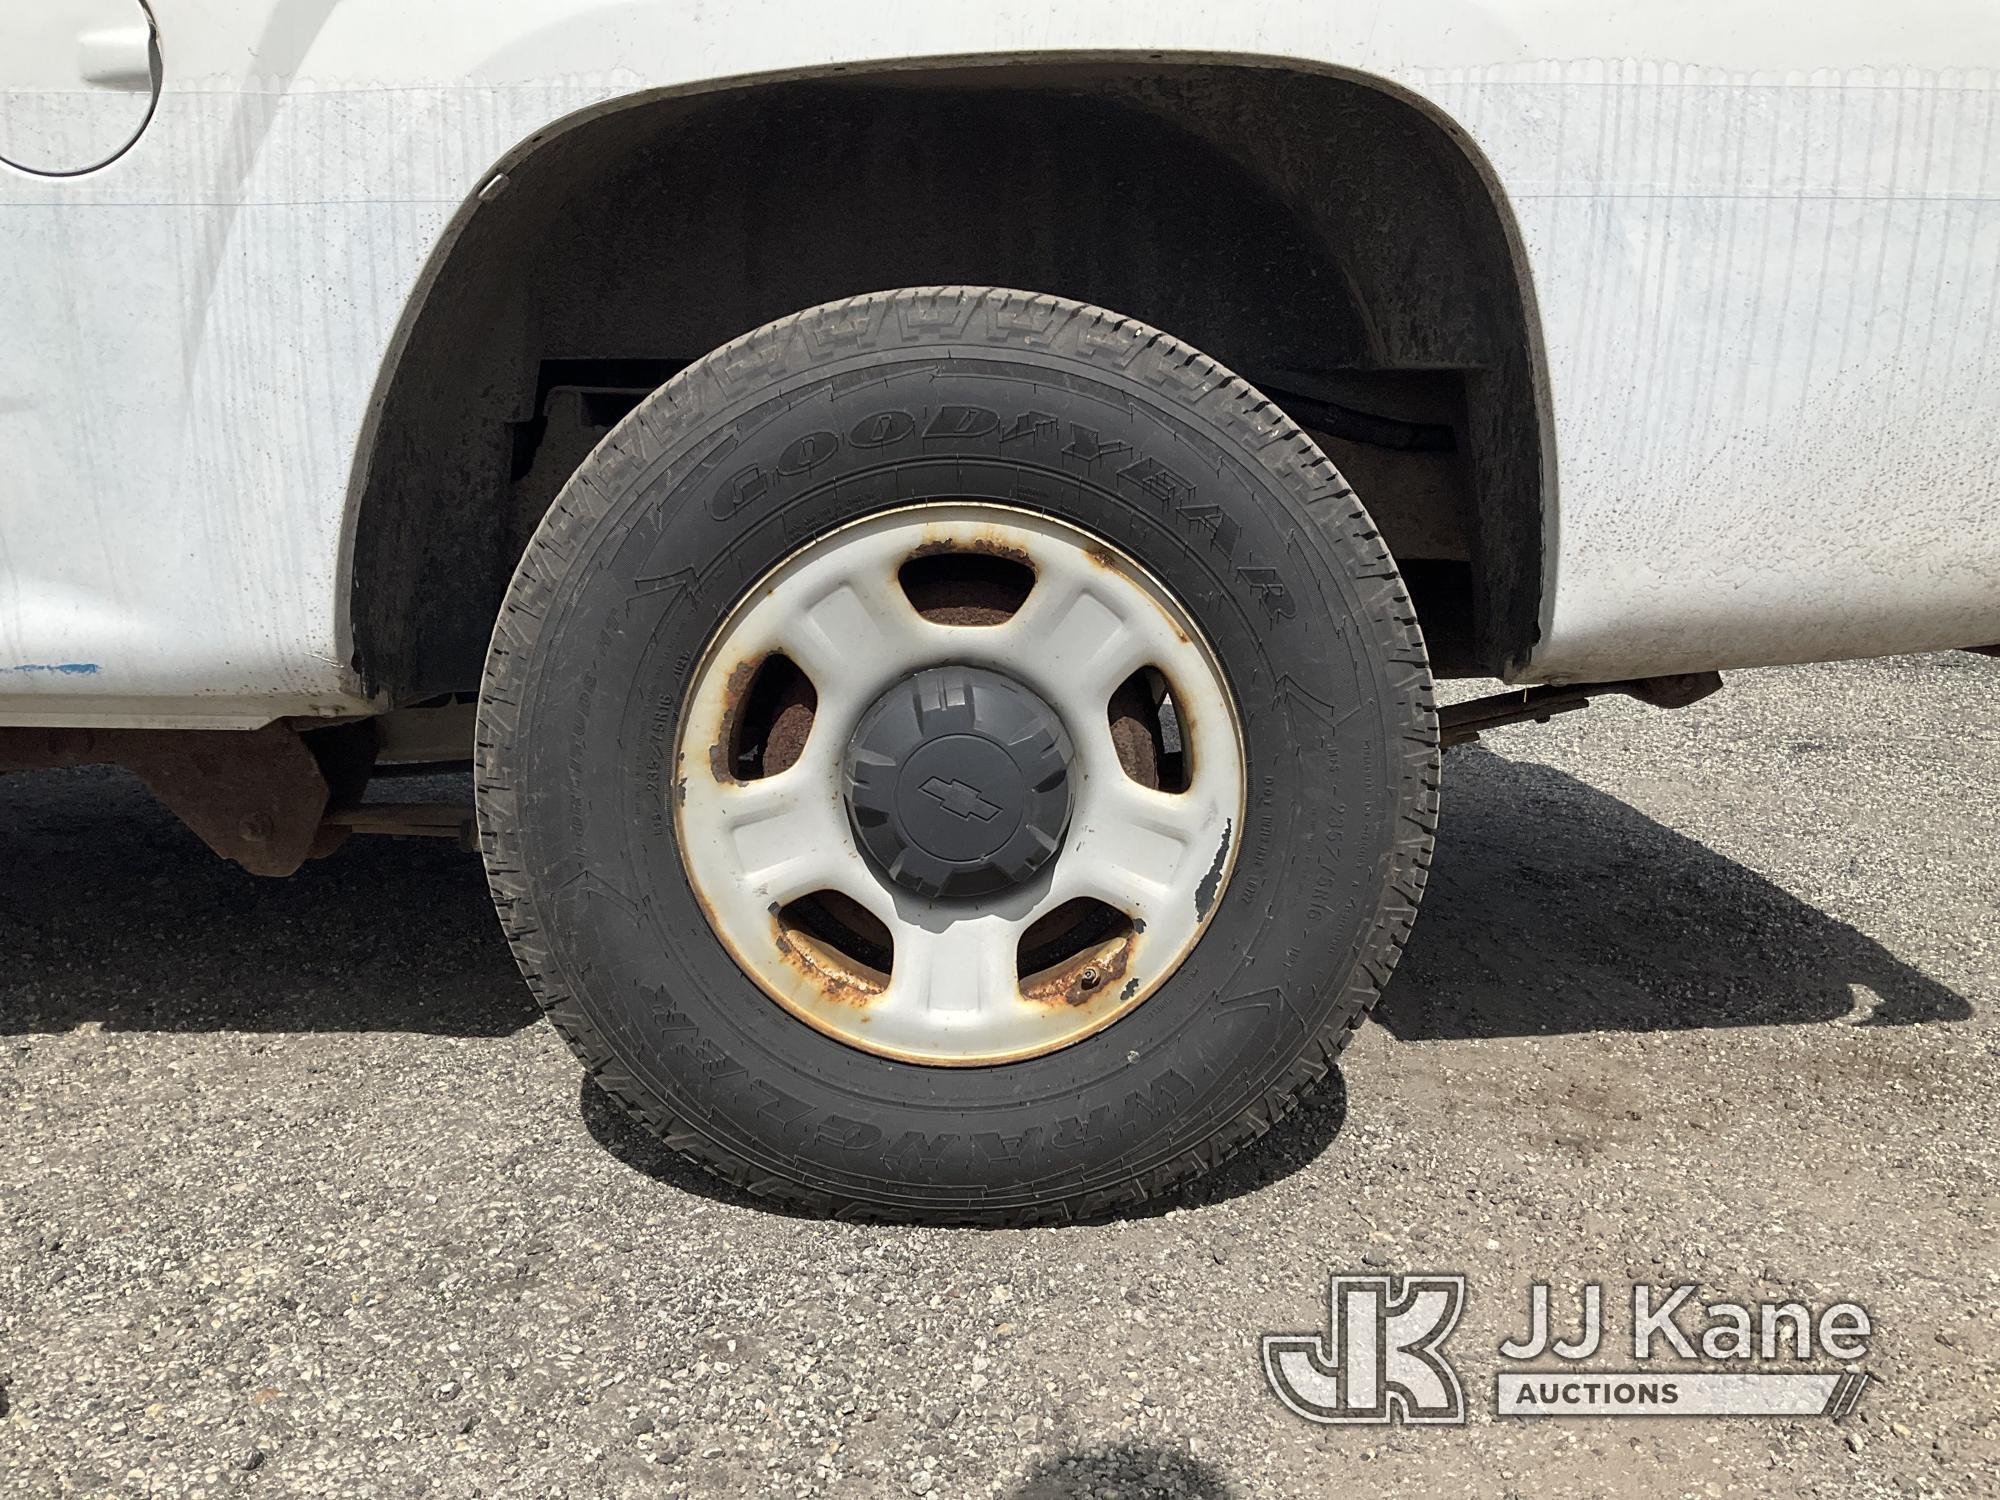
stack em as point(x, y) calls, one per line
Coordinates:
point(1759, 247)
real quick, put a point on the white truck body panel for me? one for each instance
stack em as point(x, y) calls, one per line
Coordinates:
point(1764, 241)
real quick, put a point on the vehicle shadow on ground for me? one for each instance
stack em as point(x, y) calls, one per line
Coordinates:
point(1554, 908)
point(112, 912)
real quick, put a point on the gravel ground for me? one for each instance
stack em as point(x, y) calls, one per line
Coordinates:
point(299, 1199)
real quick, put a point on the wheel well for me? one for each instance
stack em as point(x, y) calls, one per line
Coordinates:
point(1327, 239)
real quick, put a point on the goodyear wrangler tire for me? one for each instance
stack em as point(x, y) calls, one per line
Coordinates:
point(827, 824)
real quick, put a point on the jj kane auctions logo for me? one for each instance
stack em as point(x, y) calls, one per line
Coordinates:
point(1381, 1358)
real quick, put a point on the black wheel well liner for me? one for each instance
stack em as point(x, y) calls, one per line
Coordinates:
point(1307, 229)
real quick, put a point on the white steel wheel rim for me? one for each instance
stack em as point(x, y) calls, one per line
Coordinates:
point(953, 995)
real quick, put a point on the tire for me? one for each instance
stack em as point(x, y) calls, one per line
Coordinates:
point(1105, 425)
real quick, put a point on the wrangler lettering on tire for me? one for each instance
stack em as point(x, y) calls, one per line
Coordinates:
point(957, 754)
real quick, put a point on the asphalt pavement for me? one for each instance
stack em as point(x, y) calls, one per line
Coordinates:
point(299, 1197)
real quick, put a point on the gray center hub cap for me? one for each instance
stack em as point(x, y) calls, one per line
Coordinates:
point(957, 782)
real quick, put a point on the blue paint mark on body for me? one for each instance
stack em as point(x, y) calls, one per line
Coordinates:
point(66, 668)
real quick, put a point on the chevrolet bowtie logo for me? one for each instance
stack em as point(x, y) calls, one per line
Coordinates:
point(958, 799)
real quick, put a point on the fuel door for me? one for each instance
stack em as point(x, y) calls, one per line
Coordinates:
point(79, 80)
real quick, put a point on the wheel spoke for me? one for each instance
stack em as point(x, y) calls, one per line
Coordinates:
point(853, 637)
point(962, 966)
point(1133, 848)
point(1078, 639)
point(786, 835)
